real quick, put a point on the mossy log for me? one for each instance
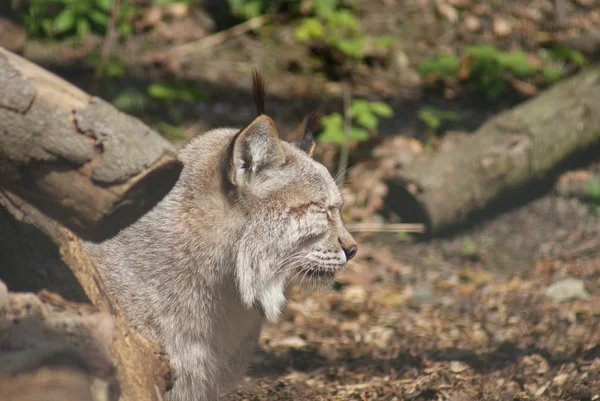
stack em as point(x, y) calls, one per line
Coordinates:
point(518, 147)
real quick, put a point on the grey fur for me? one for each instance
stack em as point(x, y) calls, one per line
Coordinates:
point(249, 216)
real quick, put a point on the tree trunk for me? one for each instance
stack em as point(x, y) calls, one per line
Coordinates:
point(75, 157)
point(511, 150)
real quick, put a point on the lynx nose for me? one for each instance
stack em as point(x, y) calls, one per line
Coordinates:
point(350, 251)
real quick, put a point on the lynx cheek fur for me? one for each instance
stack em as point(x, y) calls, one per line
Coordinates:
point(249, 216)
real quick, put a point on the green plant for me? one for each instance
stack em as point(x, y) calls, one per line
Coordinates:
point(112, 67)
point(433, 119)
point(489, 65)
point(337, 27)
point(569, 55)
point(246, 9)
point(468, 247)
point(131, 100)
point(51, 18)
point(593, 193)
point(163, 101)
point(173, 92)
point(365, 116)
point(444, 64)
point(489, 68)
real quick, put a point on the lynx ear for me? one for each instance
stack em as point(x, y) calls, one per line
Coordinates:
point(255, 148)
point(307, 143)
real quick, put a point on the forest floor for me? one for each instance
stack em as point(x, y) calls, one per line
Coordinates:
point(466, 316)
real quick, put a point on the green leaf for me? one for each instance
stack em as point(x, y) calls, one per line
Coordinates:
point(552, 74)
point(358, 134)
point(367, 120)
point(350, 47)
point(174, 92)
point(127, 10)
point(359, 106)
point(160, 91)
point(245, 9)
point(482, 52)
point(344, 19)
point(593, 190)
point(382, 109)
point(64, 21)
point(83, 27)
point(383, 42)
point(324, 8)
point(445, 64)
point(99, 18)
point(431, 120)
point(516, 62)
point(46, 25)
point(115, 70)
point(310, 28)
point(125, 29)
point(433, 117)
point(130, 100)
point(565, 54)
point(105, 5)
point(333, 128)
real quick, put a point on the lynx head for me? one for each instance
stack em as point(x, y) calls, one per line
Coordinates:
point(293, 231)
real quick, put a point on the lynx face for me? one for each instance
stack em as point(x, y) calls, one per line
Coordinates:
point(289, 209)
point(294, 234)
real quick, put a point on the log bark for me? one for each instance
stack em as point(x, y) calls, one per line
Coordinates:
point(142, 369)
point(74, 156)
point(511, 150)
point(54, 350)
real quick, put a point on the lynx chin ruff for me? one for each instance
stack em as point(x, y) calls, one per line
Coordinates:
point(250, 216)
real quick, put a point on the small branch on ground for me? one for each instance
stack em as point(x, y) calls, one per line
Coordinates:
point(188, 49)
point(385, 228)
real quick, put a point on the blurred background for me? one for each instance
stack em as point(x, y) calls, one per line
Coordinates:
point(476, 120)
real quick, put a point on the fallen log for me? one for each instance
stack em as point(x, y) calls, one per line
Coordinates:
point(515, 148)
point(71, 165)
point(74, 156)
point(44, 254)
point(53, 349)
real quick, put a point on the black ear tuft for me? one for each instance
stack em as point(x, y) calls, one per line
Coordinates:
point(258, 91)
point(312, 124)
point(307, 143)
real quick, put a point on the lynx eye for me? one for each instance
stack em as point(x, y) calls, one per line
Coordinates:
point(315, 208)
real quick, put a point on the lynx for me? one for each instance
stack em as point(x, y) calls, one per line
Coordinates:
point(250, 217)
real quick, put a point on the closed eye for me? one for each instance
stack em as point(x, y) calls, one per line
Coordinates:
point(316, 208)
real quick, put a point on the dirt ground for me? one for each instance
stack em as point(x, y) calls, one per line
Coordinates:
point(461, 317)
